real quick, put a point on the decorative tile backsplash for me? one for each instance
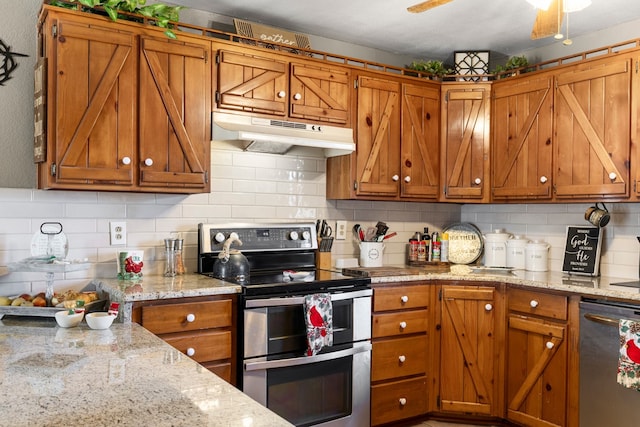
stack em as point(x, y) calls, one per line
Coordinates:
point(250, 187)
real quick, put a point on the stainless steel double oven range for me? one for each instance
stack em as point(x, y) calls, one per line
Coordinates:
point(328, 389)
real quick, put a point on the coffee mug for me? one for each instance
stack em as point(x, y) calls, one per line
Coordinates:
point(596, 216)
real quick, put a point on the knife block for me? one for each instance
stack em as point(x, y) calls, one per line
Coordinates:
point(323, 260)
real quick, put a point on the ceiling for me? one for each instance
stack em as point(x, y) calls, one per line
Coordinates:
point(502, 26)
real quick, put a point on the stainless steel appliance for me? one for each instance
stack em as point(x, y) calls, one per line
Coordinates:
point(603, 402)
point(328, 389)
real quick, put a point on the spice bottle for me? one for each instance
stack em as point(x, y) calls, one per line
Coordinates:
point(169, 249)
point(179, 257)
point(435, 246)
point(426, 240)
point(444, 247)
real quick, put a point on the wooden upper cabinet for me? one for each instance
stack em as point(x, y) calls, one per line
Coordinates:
point(420, 153)
point(378, 137)
point(593, 121)
point(522, 135)
point(175, 97)
point(257, 82)
point(465, 142)
point(91, 105)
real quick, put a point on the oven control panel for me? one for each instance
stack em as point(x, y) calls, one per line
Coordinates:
point(258, 237)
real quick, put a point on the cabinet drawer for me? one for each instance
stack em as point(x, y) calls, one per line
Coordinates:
point(206, 346)
point(400, 297)
point(538, 303)
point(168, 318)
point(223, 370)
point(398, 400)
point(399, 323)
point(399, 357)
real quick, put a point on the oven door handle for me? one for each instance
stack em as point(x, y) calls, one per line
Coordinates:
point(298, 361)
point(286, 301)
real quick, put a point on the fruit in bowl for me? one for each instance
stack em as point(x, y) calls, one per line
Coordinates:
point(67, 319)
point(99, 320)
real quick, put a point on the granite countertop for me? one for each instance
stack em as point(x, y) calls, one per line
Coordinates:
point(123, 375)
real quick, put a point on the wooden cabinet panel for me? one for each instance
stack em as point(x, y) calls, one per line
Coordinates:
point(400, 357)
point(593, 120)
point(398, 400)
point(400, 323)
point(164, 319)
point(400, 297)
point(175, 96)
point(420, 156)
point(522, 134)
point(538, 303)
point(465, 142)
point(207, 345)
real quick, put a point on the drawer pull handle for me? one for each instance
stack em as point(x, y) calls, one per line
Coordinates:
point(281, 94)
point(404, 298)
point(191, 317)
point(549, 345)
point(403, 401)
point(297, 97)
point(191, 351)
point(126, 160)
point(477, 181)
point(148, 161)
point(612, 176)
point(488, 307)
point(402, 358)
point(403, 325)
point(533, 303)
point(407, 179)
point(395, 178)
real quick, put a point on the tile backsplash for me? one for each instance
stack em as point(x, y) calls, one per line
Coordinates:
point(264, 188)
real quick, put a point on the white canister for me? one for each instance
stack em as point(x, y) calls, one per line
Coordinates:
point(537, 256)
point(495, 248)
point(516, 252)
point(371, 254)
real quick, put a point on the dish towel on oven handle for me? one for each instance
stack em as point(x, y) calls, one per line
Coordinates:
point(318, 316)
point(629, 360)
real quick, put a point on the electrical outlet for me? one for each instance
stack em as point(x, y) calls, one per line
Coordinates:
point(341, 230)
point(118, 232)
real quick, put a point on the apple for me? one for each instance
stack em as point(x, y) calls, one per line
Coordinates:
point(26, 297)
point(39, 301)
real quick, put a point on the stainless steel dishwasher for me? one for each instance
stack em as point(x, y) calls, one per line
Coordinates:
point(604, 402)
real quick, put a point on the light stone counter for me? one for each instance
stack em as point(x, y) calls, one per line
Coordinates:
point(125, 376)
point(590, 287)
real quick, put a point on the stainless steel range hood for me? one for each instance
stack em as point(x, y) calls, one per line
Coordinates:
point(279, 136)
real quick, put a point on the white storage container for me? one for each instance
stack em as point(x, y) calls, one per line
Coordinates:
point(516, 252)
point(537, 256)
point(495, 248)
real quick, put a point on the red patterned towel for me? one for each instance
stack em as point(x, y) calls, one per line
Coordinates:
point(318, 316)
point(629, 361)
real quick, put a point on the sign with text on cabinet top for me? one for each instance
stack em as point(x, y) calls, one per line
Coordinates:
point(582, 250)
point(270, 35)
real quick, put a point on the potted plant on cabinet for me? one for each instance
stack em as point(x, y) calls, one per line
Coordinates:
point(516, 63)
point(161, 14)
point(435, 68)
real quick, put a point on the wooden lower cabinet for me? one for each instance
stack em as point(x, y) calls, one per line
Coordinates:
point(401, 351)
point(203, 328)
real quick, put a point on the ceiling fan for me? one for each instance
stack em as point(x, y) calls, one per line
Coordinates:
point(548, 22)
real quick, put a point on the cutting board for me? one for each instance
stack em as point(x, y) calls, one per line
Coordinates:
point(381, 271)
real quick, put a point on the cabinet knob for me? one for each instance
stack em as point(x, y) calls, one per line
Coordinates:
point(191, 351)
point(297, 97)
point(477, 181)
point(407, 179)
point(403, 325)
point(613, 176)
point(402, 401)
point(148, 161)
point(402, 358)
point(549, 345)
point(191, 317)
point(404, 298)
point(395, 178)
point(281, 94)
point(543, 179)
point(533, 303)
point(488, 307)
point(126, 160)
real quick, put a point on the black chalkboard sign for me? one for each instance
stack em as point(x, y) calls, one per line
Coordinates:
point(582, 250)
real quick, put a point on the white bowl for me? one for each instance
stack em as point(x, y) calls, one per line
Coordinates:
point(99, 320)
point(66, 320)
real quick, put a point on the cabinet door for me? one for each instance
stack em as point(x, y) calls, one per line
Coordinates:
point(465, 142)
point(174, 117)
point(252, 83)
point(469, 358)
point(420, 141)
point(592, 116)
point(92, 109)
point(378, 137)
point(320, 93)
point(522, 114)
point(536, 372)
